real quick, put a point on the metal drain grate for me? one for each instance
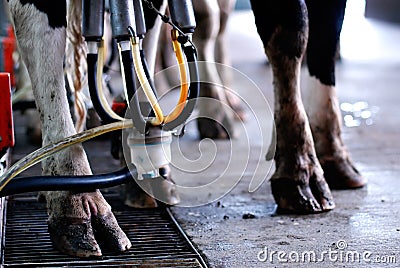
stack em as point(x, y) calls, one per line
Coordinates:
point(157, 240)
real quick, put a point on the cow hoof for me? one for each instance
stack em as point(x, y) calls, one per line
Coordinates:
point(298, 197)
point(74, 238)
point(215, 118)
point(340, 173)
point(164, 188)
point(145, 193)
point(211, 129)
point(77, 220)
point(107, 231)
point(134, 196)
point(236, 105)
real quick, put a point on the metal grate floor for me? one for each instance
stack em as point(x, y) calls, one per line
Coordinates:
point(157, 240)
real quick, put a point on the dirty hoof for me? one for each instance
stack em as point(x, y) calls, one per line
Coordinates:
point(77, 237)
point(108, 232)
point(341, 174)
point(134, 196)
point(145, 193)
point(211, 129)
point(74, 237)
point(239, 112)
point(77, 220)
point(297, 197)
point(215, 119)
point(164, 188)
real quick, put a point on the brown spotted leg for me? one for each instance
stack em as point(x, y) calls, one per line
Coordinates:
point(298, 184)
point(73, 217)
point(325, 19)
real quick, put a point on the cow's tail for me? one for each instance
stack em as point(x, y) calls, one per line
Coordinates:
point(75, 61)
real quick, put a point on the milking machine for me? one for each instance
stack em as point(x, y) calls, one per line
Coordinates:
point(149, 132)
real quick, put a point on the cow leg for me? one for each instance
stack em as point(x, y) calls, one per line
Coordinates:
point(40, 31)
point(215, 121)
point(221, 56)
point(323, 107)
point(298, 184)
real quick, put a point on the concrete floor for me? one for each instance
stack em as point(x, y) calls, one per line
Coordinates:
point(240, 229)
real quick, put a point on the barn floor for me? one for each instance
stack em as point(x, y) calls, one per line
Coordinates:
point(241, 229)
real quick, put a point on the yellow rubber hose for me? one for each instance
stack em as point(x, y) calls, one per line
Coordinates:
point(159, 119)
point(99, 79)
point(183, 79)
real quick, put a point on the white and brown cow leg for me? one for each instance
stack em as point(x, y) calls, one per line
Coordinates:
point(323, 106)
point(215, 120)
point(163, 187)
point(298, 184)
point(222, 56)
point(326, 124)
point(73, 217)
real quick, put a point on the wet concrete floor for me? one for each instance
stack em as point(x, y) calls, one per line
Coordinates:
point(238, 227)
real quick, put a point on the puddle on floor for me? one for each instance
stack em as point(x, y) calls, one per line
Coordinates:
point(358, 113)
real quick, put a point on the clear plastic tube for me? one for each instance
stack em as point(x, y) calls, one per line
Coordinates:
point(44, 152)
point(99, 78)
point(159, 119)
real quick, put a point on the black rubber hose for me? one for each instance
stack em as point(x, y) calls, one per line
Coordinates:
point(94, 94)
point(113, 54)
point(194, 89)
point(146, 71)
point(84, 183)
point(135, 112)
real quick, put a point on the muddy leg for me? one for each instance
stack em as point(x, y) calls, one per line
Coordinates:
point(298, 184)
point(323, 106)
point(72, 217)
point(214, 121)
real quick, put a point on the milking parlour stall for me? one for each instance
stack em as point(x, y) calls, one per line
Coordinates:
point(199, 133)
